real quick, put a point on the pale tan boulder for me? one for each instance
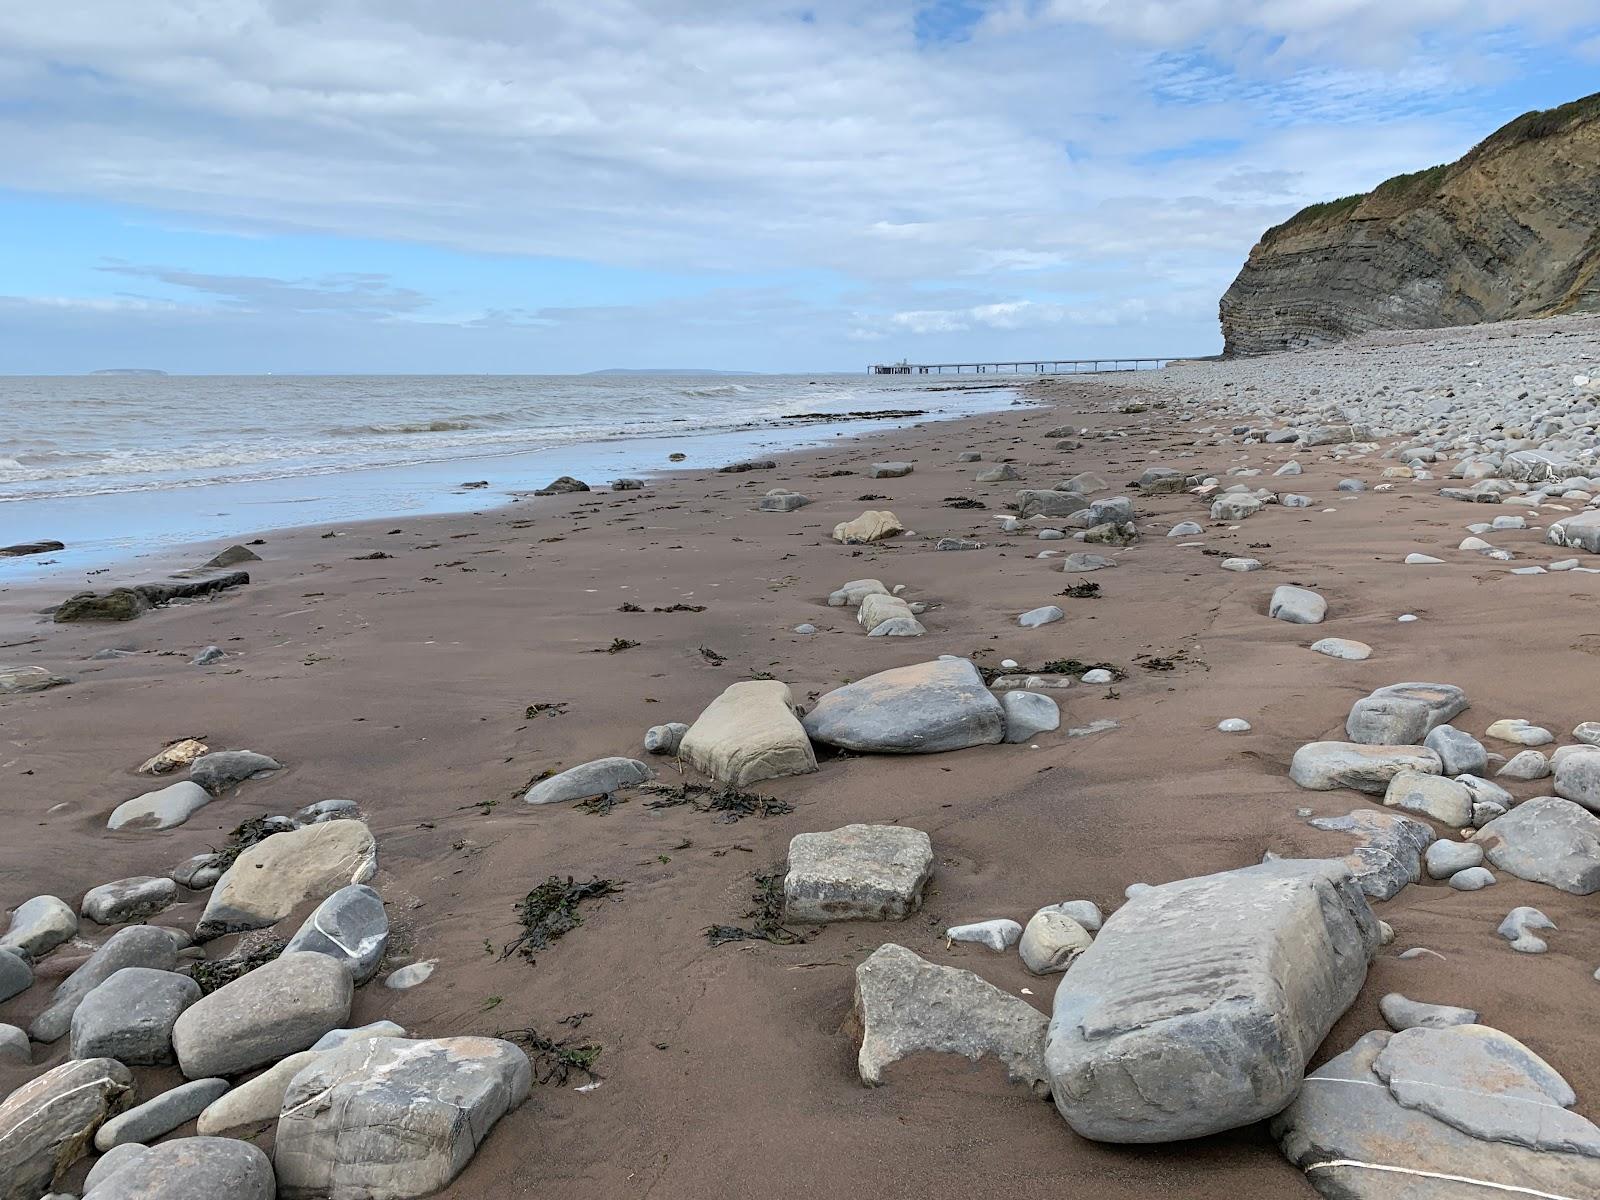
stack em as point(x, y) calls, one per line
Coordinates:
point(747, 734)
point(871, 526)
point(272, 878)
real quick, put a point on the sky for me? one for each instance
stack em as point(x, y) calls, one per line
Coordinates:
point(403, 186)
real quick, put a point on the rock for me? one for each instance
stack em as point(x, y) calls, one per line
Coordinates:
point(1546, 840)
point(125, 603)
point(1581, 532)
point(1473, 879)
point(1388, 853)
point(1157, 481)
point(871, 526)
point(1518, 926)
point(805, 629)
point(905, 626)
point(390, 1118)
point(257, 1101)
point(130, 1016)
point(1097, 675)
point(327, 810)
point(1529, 764)
point(193, 1168)
point(1403, 1014)
point(1459, 752)
point(1185, 529)
point(223, 769)
point(160, 1115)
point(947, 543)
point(1323, 766)
point(335, 1038)
point(1520, 732)
point(1036, 617)
point(172, 756)
point(1241, 564)
point(889, 470)
point(411, 976)
point(1379, 1112)
point(747, 734)
point(1235, 506)
point(998, 935)
point(920, 709)
point(1445, 858)
point(1234, 725)
point(208, 656)
point(627, 484)
point(272, 877)
point(38, 926)
point(1431, 795)
point(1051, 940)
point(565, 486)
point(108, 1164)
point(1421, 560)
point(199, 872)
point(23, 548)
point(14, 681)
point(906, 1005)
point(598, 778)
point(1588, 732)
point(164, 808)
point(350, 927)
point(1297, 605)
point(134, 946)
point(231, 557)
point(1199, 1004)
point(857, 873)
point(1344, 648)
point(1578, 776)
point(16, 976)
point(665, 739)
point(784, 502)
point(857, 590)
point(1402, 714)
point(46, 1125)
point(1080, 561)
point(280, 1007)
point(875, 610)
point(129, 899)
point(969, 456)
point(1003, 473)
point(16, 1050)
point(1027, 715)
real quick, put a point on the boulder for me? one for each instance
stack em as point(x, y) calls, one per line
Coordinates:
point(1388, 852)
point(1027, 715)
point(1297, 605)
point(1157, 481)
point(17, 1051)
point(664, 739)
point(1046, 502)
point(871, 526)
point(889, 470)
point(857, 873)
point(1459, 752)
point(112, 1161)
point(1235, 507)
point(16, 976)
point(223, 769)
point(280, 1007)
point(920, 709)
point(270, 879)
point(350, 927)
point(38, 926)
point(1402, 714)
point(1086, 560)
point(782, 502)
point(231, 557)
point(1546, 840)
point(1578, 777)
point(598, 778)
point(131, 899)
point(1525, 765)
point(1431, 795)
point(901, 626)
point(22, 548)
point(1323, 766)
point(130, 1017)
point(1200, 1002)
point(1581, 531)
point(1402, 1014)
point(857, 590)
point(1438, 1113)
point(1444, 858)
point(159, 1116)
point(15, 681)
point(391, 1118)
point(134, 946)
point(565, 485)
point(193, 1168)
point(876, 609)
point(126, 603)
point(164, 808)
point(47, 1124)
point(999, 934)
point(747, 734)
point(906, 1005)
point(1003, 473)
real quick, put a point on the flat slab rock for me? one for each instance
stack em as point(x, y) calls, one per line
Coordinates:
point(925, 708)
point(46, 1124)
point(1200, 1002)
point(272, 878)
point(906, 1005)
point(857, 873)
point(747, 734)
point(389, 1118)
point(1466, 1104)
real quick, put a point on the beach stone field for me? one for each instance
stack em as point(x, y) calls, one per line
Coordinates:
point(1182, 783)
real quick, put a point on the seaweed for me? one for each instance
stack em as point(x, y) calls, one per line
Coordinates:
point(712, 657)
point(551, 910)
point(629, 607)
point(1056, 666)
point(216, 973)
point(962, 502)
point(765, 915)
point(1084, 589)
point(599, 806)
point(728, 801)
point(674, 608)
point(554, 1061)
point(247, 834)
point(618, 645)
point(554, 708)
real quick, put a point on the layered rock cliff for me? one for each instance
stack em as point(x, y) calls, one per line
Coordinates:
point(1512, 229)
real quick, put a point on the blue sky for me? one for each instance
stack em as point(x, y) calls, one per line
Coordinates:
point(243, 186)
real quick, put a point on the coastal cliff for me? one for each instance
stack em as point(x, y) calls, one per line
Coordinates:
point(1512, 229)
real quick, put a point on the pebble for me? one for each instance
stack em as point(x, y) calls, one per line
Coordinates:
point(410, 977)
point(1034, 618)
point(1530, 764)
point(208, 656)
point(1472, 879)
point(1097, 675)
point(1234, 725)
point(1344, 648)
point(1241, 564)
point(1406, 618)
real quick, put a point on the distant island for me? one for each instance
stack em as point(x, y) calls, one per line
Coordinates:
point(128, 371)
point(665, 371)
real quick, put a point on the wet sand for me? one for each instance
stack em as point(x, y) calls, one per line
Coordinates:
point(402, 683)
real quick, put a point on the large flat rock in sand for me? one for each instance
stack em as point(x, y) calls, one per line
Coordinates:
point(1459, 1112)
point(747, 734)
point(1201, 1001)
point(1547, 840)
point(1324, 766)
point(921, 709)
point(270, 879)
point(857, 873)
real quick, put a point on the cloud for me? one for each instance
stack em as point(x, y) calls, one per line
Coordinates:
point(370, 295)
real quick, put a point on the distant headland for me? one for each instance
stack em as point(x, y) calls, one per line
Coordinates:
point(128, 371)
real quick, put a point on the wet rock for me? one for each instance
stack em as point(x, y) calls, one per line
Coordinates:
point(195, 1168)
point(563, 486)
point(1046, 502)
point(46, 1125)
point(164, 808)
point(747, 734)
point(1322, 766)
point(133, 946)
point(124, 604)
point(1200, 1002)
point(231, 557)
point(130, 1016)
point(920, 709)
point(208, 656)
point(223, 769)
point(627, 485)
point(38, 926)
point(327, 810)
point(350, 927)
point(129, 899)
point(906, 1005)
point(280, 1007)
point(1027, 715)
point(598, 778)
point(160, 1115)
point(24, 548)
point(411, 976)
point(1403, 1014)
point(1546, 840)
point(857, 873)
point(272, 877)
point(1402, 714)
point(1297, 605)
point(871, 526)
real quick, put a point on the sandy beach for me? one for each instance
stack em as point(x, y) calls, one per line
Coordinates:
point(428, 668)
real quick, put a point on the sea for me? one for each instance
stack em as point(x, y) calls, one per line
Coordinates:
point(123, 467)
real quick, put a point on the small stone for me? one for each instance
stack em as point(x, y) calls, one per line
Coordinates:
point(1472, 879)
point(1036, 617)
point(1185, 529)
point(598, 778)
point(327, 810)
point(1529, 764)
point(1518, 926)
point(208, 656)
point(565, 485)
point(1445, 858)
point(1051, 941)
point(998, 934)
point(1234, 725)
point(870, 526)
point(1241, 564)
point(805, 630)
point(16, 1050)
point(857, 873)
point(889, 470)
point(1459, 752)
point(16, 976)
point(129, 899)
point(409, 977)
point(161, 1115)
point(1407, 618)
point(1344, 648)
point(1004, 473)
point(1297, 605)
point(665, 739)
point(164, 808)
point(1401, 1013)
point(1422, 560)
point(1027, 715)
point(1082, 561)
point(1520, 732)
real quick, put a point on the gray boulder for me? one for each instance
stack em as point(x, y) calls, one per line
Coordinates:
point(350, 926)
point(1441, 1113)
point(598, 778)
point(1431, 795)
point(889, 470)
point(1459, 752)
point(1389, 849)
point(108, 1164)
point(130, 1017)
point(1028, 715)
point(1577, 771)
point(164, 808)
point(194, 1168)
point(159, 1116)
point(1297, 605)
point(1402, 714)
point(131, 899)
point(782, 502)
point(46, 1125)
point(906, 1005)
point(278, 1008)
point(391, 1118)
point(1003, 473)
point(1546, 840)
point(1581, 531)
point(38, 926)
point(135, 946)
point(1043, 502)
point(15, 1049)
point(1445, 858)
point(921, 709)
point(1156, 481)
point(1323, 766)
point(223, 769)
point(276, 875)
point(857, 873)
point(16, 976)
point(1035, 617)
point(1200, 1002)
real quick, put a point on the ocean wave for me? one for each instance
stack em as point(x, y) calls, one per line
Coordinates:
point(440, 425)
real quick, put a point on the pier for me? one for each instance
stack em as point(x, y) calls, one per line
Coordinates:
point(1043, 366)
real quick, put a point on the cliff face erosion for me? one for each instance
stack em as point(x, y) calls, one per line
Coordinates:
point(1512, 229)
